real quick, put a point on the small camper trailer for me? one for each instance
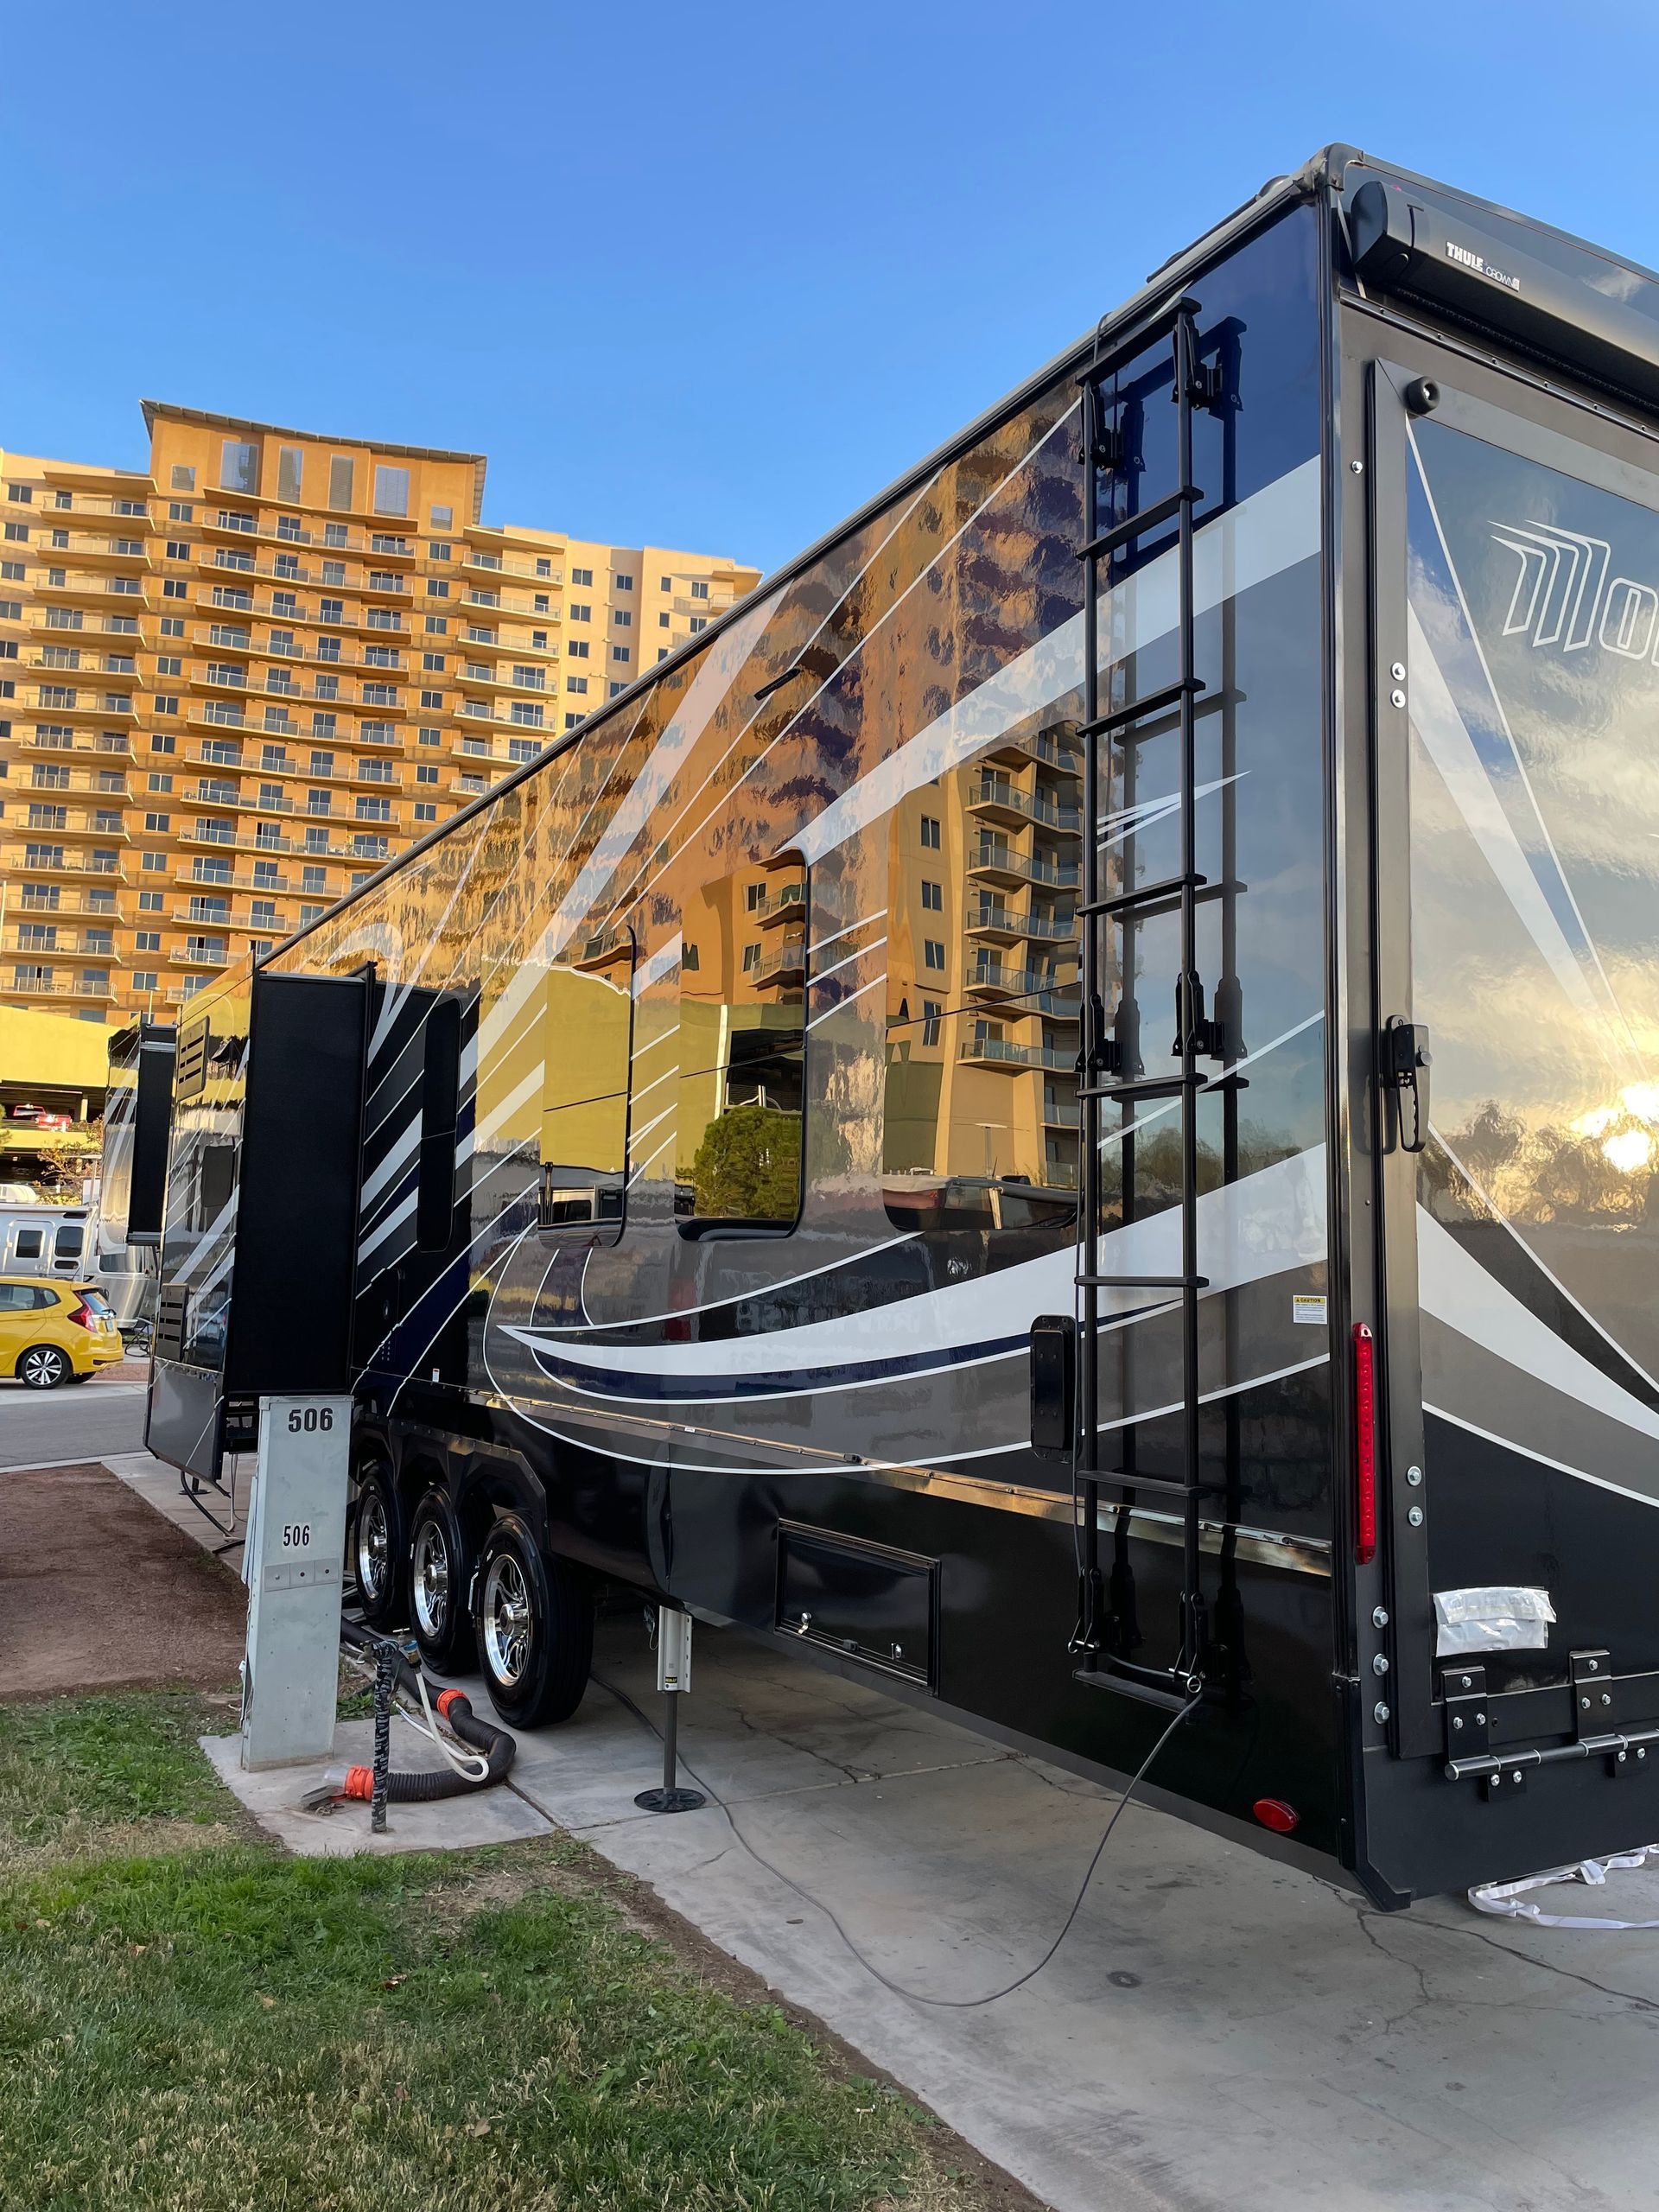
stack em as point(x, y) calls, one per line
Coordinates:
point(1060, 1111)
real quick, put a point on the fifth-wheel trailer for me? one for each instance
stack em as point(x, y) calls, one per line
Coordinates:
point(909, 1130)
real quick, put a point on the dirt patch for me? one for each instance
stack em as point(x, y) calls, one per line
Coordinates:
point(98, 1592)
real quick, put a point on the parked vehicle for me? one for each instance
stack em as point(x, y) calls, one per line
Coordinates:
point(44, 1239)
point(54, 1332)
point(909, 1131)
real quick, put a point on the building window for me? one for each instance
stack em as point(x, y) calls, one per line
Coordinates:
point(172, 626)
point(159, 823)
point(437, 587)
point(371, 808)
point(699, 622)
point(584, 576)
point(147, 941)
point(931, 832)
point(577, 649)
point(621, 653)
point(668, 583)
point(429, 736)
point(571, 721)
point(932, 953)
point(437, 550)
point(390, 489)
point(426, 772)
point(143, 979)
point(933, 896)
point(425, 811)
point(441, 519)
point(18, 532)
point(23, 493)
point(170, 665)
point(238, 465)
point(432, 699)
point(662, 621)
point(433, 661)
point(624, 583)
point(183, 480)
point(661, 652)
point(290, 466)
point(180, 510)
point(699, 588)
point(578, 683)
point(622, 617)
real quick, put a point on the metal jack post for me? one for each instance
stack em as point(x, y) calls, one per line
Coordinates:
point(673, 1677)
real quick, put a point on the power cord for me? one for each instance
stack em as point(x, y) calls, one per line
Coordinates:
point(899, 1988)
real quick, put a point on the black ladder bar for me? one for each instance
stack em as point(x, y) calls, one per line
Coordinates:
point(1097, 1663)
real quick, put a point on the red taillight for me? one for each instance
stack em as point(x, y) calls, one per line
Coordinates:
point(1364, 1444)
point(1274, 1813)
point(81, 1315)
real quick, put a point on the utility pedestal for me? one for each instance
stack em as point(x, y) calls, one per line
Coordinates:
point(291, 1565)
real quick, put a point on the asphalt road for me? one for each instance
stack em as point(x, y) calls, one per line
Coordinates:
point(80, 1421)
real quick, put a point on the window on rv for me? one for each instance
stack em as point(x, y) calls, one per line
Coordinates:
point(742, 1050)
point(434, 1188)
point(587, 1038)
point(980, 1121)
point(31, 1243)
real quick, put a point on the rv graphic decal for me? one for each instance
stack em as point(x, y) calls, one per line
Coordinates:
point(1562, 597)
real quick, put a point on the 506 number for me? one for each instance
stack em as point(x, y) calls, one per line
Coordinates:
point(311, 1417)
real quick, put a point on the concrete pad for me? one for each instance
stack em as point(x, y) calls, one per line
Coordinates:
point(484, 1817)
point(1216, 2029)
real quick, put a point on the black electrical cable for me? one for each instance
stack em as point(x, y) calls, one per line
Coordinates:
point(899, 1989)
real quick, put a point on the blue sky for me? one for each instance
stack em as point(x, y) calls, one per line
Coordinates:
point(708, 276)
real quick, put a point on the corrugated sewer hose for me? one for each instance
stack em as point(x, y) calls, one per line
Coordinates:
point(489, 1756)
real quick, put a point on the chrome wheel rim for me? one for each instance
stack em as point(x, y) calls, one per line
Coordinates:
point(40, 1369)
point(431, 1579)
point(507, 1621)
point(373, 1545)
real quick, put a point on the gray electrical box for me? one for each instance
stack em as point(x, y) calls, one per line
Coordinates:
point(291, 1564)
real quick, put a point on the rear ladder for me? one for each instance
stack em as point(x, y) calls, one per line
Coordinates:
point(1109, 1067)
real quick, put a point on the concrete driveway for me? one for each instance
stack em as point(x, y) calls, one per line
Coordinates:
point(1216, 2032)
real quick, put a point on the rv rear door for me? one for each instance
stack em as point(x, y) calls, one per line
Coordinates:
point(1514, 1114)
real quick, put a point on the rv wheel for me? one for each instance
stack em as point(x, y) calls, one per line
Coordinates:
point(438, 1572)
point(534, 1620)
point(378, 1548)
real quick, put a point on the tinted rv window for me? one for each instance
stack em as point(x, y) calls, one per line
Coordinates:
point(31, 1243)
point(71, 1240)
point(980, 1129)
point(587, 1036)
point(742, 1015)
point(435, 1197)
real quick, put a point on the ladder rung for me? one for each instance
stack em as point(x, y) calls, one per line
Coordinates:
point(1143, 1282)
point(1145, 894)
point(1153, 703)
point(1160, 1485)
point(1145, 1086)
point(1136, 525)
point(1135, 341)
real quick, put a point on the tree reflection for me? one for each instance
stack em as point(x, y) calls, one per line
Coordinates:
point(1597, 1170)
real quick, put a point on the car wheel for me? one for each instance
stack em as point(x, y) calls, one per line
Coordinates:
point(379, 1550)
point(533, 1616)
point(42, 1367)
point(438, 1572)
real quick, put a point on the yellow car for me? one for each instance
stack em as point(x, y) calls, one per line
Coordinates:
point(53, 1333)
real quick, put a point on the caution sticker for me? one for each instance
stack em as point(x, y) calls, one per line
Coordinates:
point(1306, 1308)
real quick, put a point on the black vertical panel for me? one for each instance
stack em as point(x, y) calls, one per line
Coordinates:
point(296, 1217)
point(152, 1117)
point(434, 1199)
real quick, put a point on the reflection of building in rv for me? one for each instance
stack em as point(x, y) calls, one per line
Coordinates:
point(128, 1231)
point(910, 1130)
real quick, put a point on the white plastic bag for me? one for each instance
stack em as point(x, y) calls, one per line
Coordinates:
point(1502, 1619)
point(1509, 1901)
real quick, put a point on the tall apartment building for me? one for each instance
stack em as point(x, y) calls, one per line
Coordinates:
point(232, 686)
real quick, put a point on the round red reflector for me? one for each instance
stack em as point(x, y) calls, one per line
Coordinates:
point(1274, 1813)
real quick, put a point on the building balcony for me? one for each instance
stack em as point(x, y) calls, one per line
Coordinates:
point(1056, 747)
point(45, 782)
point(24, 981)
point(65, 903)
point(997, 861)
point(199, 955)
point(127, 507)
point(107, 557)
point(16, 859)
point(1002, 1054)
point(993, 798)
point(993, 979)
point(784, 965)
point(80, 703)
point(88, 669)
point(78, 822)
point(84, 484)
point(193, 878)
point(89, 594)
point(1061, 1113)
point(83, 945)
point(785, 902)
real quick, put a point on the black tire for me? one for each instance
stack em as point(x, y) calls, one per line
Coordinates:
point(439, 1574)
point(380, 1548)
point(540, 1681)
point(44, 1367)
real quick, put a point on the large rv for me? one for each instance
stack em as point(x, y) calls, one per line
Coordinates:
point(1060, 1111)
point(127, 1233)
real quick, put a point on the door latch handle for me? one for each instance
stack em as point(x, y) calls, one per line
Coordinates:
point(1404, 1070)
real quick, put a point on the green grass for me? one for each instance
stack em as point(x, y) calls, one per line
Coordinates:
point(224, 2026)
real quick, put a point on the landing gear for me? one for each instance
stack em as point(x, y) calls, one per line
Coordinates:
point(533, 1616)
